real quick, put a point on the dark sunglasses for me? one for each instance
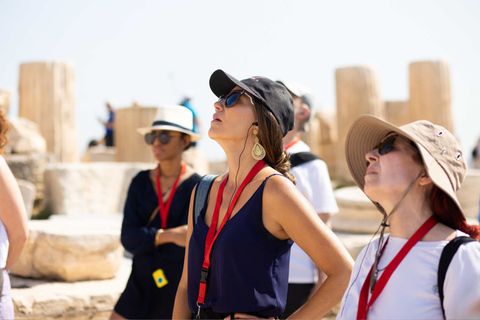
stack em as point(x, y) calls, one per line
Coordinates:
point(232, 98)
point(163, 136)
point(386, 144)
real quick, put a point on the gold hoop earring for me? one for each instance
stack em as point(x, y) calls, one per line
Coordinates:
point(258, 152)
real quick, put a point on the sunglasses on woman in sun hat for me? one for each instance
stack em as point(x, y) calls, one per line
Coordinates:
point(163, 136)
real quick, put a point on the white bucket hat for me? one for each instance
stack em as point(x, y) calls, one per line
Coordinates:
point(172, 118)
point(441, 153)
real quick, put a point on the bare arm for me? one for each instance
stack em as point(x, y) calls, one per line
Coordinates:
point(177, 235)
point(12, 214)
point(287, 214)
point(181, 309)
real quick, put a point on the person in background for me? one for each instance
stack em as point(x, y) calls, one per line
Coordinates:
point(411, 173)
point(155, 218)
point(187, 102)
point(476, 155)
point(238, 252)
point(313, 181)
point(13, 224)
point(109, 126)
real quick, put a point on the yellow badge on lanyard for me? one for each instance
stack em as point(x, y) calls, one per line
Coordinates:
point(159, 277)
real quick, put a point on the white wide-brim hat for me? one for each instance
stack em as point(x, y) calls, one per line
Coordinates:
point(172, 118)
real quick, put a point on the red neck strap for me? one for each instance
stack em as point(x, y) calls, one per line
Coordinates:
point(213, 232)
point(165, 208)
point(291, 143)
point(363, 306)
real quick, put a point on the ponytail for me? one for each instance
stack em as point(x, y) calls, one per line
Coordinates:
point(270, 137)
point(448, 213)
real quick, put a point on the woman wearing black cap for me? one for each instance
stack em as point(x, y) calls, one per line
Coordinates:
point(238, 252)
point(411, 173)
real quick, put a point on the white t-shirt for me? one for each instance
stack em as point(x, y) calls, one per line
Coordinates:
point(4, 244)
point(412, 291)
point(313, 181)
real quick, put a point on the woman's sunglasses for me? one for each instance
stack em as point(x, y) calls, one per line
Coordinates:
point(163, 136)
point(232, 98)
point(385, 146)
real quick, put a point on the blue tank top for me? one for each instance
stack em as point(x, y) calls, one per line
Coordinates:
point(249, 266)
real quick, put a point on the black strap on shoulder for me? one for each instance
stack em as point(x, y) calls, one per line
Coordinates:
point(445, 259)
point(201, 194)
point(299, 158)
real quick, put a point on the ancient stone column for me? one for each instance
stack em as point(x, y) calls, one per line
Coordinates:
point(430, 92)
point(47, 97)
point(130, 145)
point(397, 112)
point(357, 93)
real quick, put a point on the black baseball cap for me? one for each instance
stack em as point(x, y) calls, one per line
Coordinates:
point(274, 96)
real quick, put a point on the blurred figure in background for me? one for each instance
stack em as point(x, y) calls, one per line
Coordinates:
point(187, 102)
point(109, 126)
point(13, 224)
point(476, 155)
point(313, 182)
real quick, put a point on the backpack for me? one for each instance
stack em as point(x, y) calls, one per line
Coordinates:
point(445, 259)
point(201, 195)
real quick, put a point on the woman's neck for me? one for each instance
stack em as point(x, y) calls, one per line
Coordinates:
point(238, 161)
point(170, 168)
point(408, 218)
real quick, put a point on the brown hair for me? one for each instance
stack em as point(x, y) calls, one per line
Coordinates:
point(448, 213)
point(4, 128)
point(270, 137)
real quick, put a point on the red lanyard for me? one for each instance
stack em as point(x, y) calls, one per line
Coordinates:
point(291, 143)
point(212, 235)
point(382, 281)
point(164, 209)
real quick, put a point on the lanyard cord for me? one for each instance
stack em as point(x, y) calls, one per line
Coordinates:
point(162, 207)
point(291, 143)
point(213, 233)
point(417, 236)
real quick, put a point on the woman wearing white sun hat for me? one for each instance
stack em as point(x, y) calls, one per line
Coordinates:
point(411, 173)
point(155, 218)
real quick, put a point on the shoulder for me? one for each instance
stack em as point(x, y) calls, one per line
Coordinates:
point(280, 192)
point(141, 177)
point(469, 252)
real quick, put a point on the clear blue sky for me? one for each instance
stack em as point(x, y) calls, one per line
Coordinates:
point(154, 51)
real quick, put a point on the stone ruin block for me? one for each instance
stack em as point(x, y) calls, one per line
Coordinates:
point(89, 188)
point(28, 191)
point(29, 167)
point(25, 137)
point(72, 249)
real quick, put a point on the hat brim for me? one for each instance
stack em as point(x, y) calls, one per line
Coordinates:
point(367, 131)
point(193, 136)
point(222, 83)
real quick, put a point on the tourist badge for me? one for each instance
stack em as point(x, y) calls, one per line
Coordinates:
point(159, 277)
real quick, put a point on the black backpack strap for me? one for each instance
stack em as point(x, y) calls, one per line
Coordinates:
point(201, 194)
point(299, 158)
point(445, 259)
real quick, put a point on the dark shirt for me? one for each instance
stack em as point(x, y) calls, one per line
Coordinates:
point(249, 266)
point(142, 298)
